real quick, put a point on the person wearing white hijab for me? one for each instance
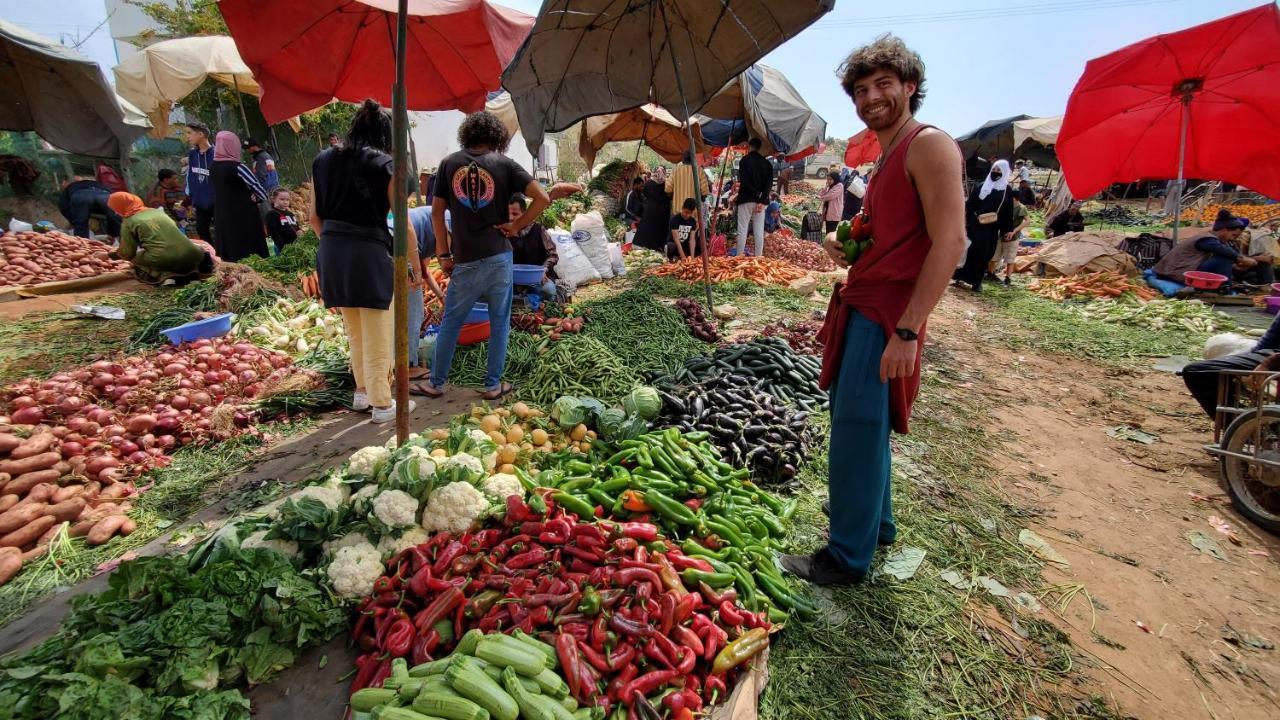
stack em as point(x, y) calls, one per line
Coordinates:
point(988, 215)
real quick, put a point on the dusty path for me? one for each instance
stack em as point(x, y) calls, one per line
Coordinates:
point(1166, 630)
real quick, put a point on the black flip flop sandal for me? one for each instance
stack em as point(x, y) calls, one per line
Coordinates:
point(503, 390)
point(424, 389)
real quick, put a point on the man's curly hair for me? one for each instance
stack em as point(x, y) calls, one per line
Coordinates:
point(887, 52)
point(483, 128)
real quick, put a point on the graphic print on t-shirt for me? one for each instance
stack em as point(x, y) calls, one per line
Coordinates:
point(684, 232)
point(473, 186)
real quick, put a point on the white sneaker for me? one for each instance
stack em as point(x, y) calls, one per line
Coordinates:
point(387, 414)
point(359, 401)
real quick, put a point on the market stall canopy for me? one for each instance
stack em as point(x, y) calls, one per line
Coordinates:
point(62, 96)
point(162, 74)
point(1214, 86)
point(305, 54)
point(500, 104)
point(659, 129)
point(995, 140)
point(762, 103)
point(1039, 130)
point(863, 148)
point(592, 57)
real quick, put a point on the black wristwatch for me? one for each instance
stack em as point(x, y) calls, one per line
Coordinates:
point(907, 334)
point(445, 256)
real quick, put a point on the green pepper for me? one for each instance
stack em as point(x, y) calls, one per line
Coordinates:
point(693, 576)
point(726, 533)
point(774, 525)
point(765, 497)
point(704, 481)
point(621, 456)
point(643, 457)
point(697, 436)
point(574, 483)
point(665, 463)
point(600, 497)
point(789, 510)
point(537, 503)
point(777, 616)
point(616, 484)
point(776, 591)
point(526, 482)
point(669, 508)
point(574, 504)
point(693, 547)
point(578, 467)
point(590, 603)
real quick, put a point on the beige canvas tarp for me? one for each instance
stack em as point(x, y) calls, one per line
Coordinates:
point(1043, 130)
point(658, 128)
point(1081, 252)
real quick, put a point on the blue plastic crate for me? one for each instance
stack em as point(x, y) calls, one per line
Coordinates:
point(213, 327)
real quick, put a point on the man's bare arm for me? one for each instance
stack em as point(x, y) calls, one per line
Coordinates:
point(934, 165)
point(438, 206)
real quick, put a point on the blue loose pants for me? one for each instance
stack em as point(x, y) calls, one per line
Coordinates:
point(858, 473)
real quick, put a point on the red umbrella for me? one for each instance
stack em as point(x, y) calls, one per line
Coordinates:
point(863, 148)
point(304, 54)
point(1201, 103)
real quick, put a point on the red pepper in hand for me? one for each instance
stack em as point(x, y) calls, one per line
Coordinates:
point(399, 638)
point(567, 651)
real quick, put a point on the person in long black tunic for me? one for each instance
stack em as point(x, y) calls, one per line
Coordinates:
point(236, 194)
point(652, 231)
point(988, 201)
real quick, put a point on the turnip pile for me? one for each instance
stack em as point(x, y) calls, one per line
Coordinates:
point(29, 258)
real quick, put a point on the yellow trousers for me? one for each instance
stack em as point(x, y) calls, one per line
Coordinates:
point(371, 334)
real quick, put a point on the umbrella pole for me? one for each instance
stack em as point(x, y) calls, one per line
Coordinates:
point(400, 210)
point(693, 155)
point(240, 103)
point(1182, 156)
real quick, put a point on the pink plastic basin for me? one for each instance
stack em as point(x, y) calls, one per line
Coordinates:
point(1204, 280)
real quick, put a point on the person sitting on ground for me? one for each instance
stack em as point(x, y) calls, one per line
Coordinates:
point(1026, 195)
point(1069, 220)
point(282, 224)
point(684, 238)
point(1202, 377)
point(1218, 253)
point(153, 243)
point(533, 246)
point(773, 214)
point(167, 194)
point(82, 197)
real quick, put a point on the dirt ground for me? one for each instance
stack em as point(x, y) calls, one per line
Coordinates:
point(1166, 630)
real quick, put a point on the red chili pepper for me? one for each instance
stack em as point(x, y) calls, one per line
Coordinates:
point(621, 680)
point(579, 630)
point(674, 701)
point(653, 651)
point(599, 634)
point(625, 545)
point(525, 625)
point(420, 652)
point(386, 599)
point(643, 594)
point(591, 530)
point(627, 626)
point(529, 558)
point(516, 612)
point(667, 612)
point(540, 599)
point(517, 510)
point(366, 666)
point(649, 682)
point(399, 638)
point(439, 609)
point(383, 672)
point(581, 566)
point(540, 616)
point(382, 622)
point(445, 558)
point(485, 540)
point(730, 615)
point(588, 683)
point(642, 554)
point(715, 598)
point(458, 614)
point(686, 606)
point(700, 622)
point(693, 682)
point(686, 562)
point(693, 503)
point(712, 542)
point(593, 556)
point(669, 648)
point(533, 527)
point(386, 584)
point(510, 543)
point(610, 597)
point(688, 638)
point(683, 713)
point(589, 542)
point(755, 620)
point(714, 639)
point(464, 564)
point(567, 651)
point(367, 643)
point(714, 689)
point(435, 584)
point(597, 660)
point(653, 567)
point(491, 623)
point(622, 656)
point(642, 531)
point(686, 660)
point(601, 576)
point(626, 577)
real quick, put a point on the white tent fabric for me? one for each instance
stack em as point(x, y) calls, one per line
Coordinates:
point(1043, 130)
point(160, 75)
point(60, 95)
point(761, 102)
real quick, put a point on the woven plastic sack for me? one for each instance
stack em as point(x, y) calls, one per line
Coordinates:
point(593, 239)
point(572, 267)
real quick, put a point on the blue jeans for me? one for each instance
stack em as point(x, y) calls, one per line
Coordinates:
point(416, 312)
point(487, 280)
point(90, 201)
point(859, 457)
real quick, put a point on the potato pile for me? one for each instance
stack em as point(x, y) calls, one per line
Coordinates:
point(44, 487)
point(29, 258)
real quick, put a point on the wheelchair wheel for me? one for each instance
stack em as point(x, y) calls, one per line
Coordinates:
point(1254, 487)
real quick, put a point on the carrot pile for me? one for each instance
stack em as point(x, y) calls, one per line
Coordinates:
point(1255, 213)
point(759, 270)
point(1108, 284)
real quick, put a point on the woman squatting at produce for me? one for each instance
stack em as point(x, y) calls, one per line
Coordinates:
point(353, 189)
point(151, 240)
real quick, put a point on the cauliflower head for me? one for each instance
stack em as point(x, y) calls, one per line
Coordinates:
point(259, 540)
point(348, 540)
point(453, 508)
point(503, 485)
point(486, 447)
point(470, 466)
point(395, 508)
point(363, 497)
point(366, 459)
point(330, 497)
point(410, 538)
point(335, 482)
point(426, 463)
point(354, 569)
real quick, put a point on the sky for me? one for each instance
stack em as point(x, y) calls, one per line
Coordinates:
point(985, 59)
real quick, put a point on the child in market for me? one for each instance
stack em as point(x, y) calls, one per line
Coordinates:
point(684, 241)
point(282, 226)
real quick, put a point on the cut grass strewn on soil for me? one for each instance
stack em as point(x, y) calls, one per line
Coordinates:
point(920, 648)
point(40, 344)
point(1051, 326)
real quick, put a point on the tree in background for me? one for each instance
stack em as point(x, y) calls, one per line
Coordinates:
point(837, 146)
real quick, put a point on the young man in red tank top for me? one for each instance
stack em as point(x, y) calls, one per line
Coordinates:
point(876, 321)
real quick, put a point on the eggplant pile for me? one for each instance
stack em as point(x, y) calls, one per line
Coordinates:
point(699, 325)
point(752, 428)
point(770, 363)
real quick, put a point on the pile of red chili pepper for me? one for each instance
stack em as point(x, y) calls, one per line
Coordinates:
point(632, 617)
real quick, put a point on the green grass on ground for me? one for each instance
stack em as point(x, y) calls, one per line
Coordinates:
point(1020, 320)
point(920, 648)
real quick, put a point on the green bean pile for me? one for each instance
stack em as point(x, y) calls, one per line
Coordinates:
point(578, 365)
point(470, 361)
point(648, 335)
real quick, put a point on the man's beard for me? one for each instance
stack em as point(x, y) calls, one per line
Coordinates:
point(882, 116)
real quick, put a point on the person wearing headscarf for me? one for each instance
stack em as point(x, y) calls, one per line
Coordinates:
point(1221, 253)
point(651, 233)
point(151, 240)
point(988, 216)
point(239, 231)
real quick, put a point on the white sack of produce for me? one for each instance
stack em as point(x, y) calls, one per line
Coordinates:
point(593, 239)
point(1224, 344)
point(616, 261)
point(573, 267)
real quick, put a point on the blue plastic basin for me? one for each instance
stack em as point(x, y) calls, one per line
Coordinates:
point(479, 313)
point(526, 274)
point(213, 327)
